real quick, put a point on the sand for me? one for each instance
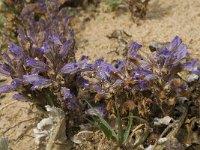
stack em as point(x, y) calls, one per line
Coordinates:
point(165, 19)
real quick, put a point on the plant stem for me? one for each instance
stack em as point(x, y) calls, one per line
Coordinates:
point(120, 129)
point(49, 99)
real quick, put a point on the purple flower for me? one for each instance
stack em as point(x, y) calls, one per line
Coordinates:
point(104, 70)
point(3, 71)
point(197, 72)
point(164, 52)
point(19, 97)
point(181, 53)
point(191, 66)
point(7, 58)
point(174, 44)
point(73, 68)
point(16, 83)
point(39, 66)
point(55, 38)
point(37, 81)
point(66, 47)
point(71, 99)
point(16, 51)
point(134, 49)
point(141, 85)
point(6, 88)
point(70, 68)
point(66, 93)
point(170, 61)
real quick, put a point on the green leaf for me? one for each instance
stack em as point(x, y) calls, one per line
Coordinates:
point(128, 129)
point(107, 129)
point(103, 125)
point(48, 97)
point(3, 143)
point(120, 129)
point(114, 4)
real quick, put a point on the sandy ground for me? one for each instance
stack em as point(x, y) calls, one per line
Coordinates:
point(165, 19)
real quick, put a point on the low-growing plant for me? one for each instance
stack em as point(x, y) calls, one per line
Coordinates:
point(138, 8)
point(139, 84)
point(43, 66)
point(44, 71)
point(142, 81)
point(122, 134)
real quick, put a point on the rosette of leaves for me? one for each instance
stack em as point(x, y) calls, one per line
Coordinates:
point(43, 66)
point(141, 81)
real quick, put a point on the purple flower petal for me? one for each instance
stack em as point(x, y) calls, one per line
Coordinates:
point(98, 62)
point(70, 68)
point(142, 71)
point(37, 81)
point(6, 88)
point(197, 72)
point(191, 66)
point(164, 52)
point(174, 44)
point(66, 47)
point(75, 67)
point(22, 34)
point(16, 51)
point(36, 64)
point(56, 40)
point(3, 71)
point(104, 70)
point(16, 83)
point(71, 99)
point(41, 84)
point(7, 58)
point(134, 49)
point(142, 85)
point(181, 52)
point(19, 97)
point(66, 93)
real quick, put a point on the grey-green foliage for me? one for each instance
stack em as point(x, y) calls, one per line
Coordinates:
point(2, 17)
point(3, 143)
point(121, 134)
point(114, 4)
point(2, 20)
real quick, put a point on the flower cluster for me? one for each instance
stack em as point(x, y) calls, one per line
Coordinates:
point(142, 80)
point(43, 66)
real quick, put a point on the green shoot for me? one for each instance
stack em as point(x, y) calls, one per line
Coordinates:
point(121, 135)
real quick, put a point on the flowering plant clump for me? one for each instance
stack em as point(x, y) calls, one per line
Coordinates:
point(43, 66)
point(140, 81)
